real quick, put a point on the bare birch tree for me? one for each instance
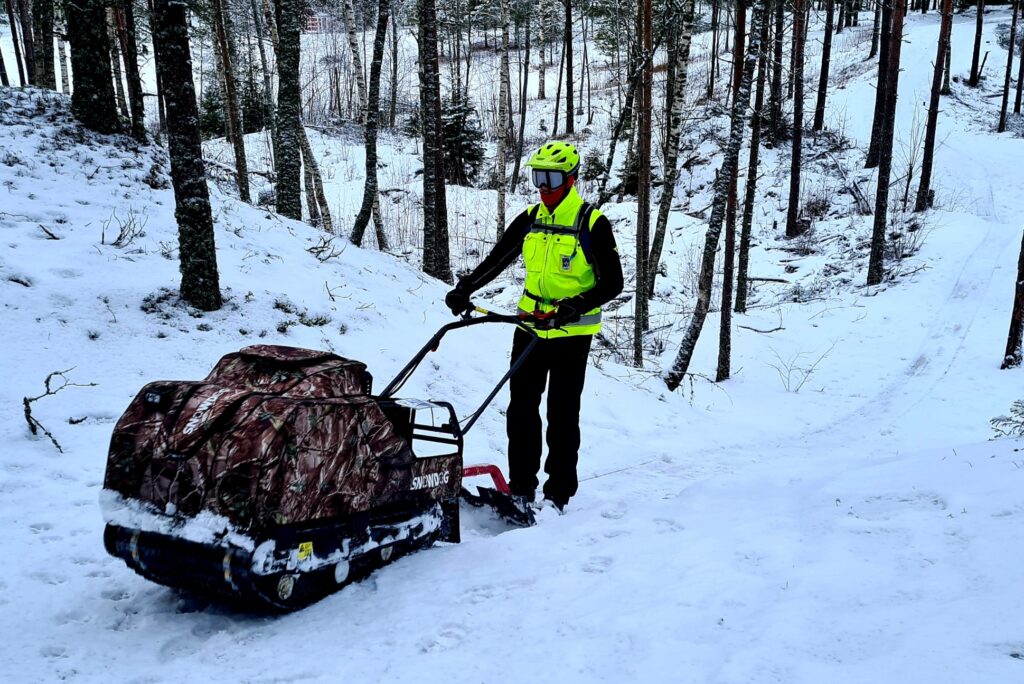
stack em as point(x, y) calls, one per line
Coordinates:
point(737, 120)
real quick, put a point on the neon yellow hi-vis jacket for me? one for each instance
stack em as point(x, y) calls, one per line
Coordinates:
point(556, 266)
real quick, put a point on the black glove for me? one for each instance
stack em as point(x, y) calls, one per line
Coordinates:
point(569, 311)
point(458, 299)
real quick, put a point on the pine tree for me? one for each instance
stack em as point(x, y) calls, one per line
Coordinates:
point(200, 284)
point(737, 122)
point(18, 58)
point(876, 266)
point(568, 50)
point(793, 227)
point(503, 117)
point(976, 55)
point(826, 59)
point(27, 39)
point(645, 111)
point(234, 118)
point(435, 210)
point(924, 191)
point(289, 109)
point(42, 27)
point(124, 14)
point(1012, 358)
point(1009, 66)
point(92, 101)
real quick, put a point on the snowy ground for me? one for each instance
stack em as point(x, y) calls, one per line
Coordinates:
point(860, 529)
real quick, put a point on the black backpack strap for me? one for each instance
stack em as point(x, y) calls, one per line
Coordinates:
point(583, 232)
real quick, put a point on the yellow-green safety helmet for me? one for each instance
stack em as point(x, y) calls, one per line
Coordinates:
point(556, 156)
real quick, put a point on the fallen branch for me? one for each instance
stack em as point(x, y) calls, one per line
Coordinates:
point(34, 425)
point(763, 332)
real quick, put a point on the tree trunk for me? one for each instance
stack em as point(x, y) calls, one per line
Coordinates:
point(558, 93)
point(357, 64)
point(524, 84)
point(541, 71)
point(793, 227)
point(235, 133)
point(62, 61)
point(1013, 356)
point(946, 90)
point(1020, 84)
point(643, 200)
point(197, 251)
point(975, 69)
point(1009, 67)
point(124, 13)
point(723, 370)
point(570, 124)
point(826, 58)
point(874, 30)
point(42, 17)
point(681, 365)
point(393, 105)
point(679, 56)
point(503, 117)
point(27, 39)
point(750, 187)
point(435, 213)
point(115, 63)
point(18, 58)
point(876, 266)
point(268, 87)
point(4, 81)
point(775, 98)
point(288, 15)
point(716, 12)
point(874, 149)
point(372, 118)
point(92, 101)
point(924, 188)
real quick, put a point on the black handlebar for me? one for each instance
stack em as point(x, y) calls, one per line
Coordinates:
point(466, 321)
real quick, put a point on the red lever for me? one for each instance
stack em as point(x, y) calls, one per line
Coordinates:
point(496, 476)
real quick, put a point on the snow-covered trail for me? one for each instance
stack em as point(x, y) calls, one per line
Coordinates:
point(838, 535)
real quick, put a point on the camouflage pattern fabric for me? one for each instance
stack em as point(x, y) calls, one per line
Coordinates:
point(270, 447)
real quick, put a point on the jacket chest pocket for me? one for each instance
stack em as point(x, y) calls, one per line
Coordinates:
point(534, 249)
point(565, 257)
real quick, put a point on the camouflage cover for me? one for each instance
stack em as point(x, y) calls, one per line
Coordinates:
point(264, 441)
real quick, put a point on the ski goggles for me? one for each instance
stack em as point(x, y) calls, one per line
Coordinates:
point(552, 179)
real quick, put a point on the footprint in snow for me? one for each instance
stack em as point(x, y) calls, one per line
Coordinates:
point(53, 652)
point(40, 527)
point(616, 512)
point(50, 578)
point(449, 637)
point(666, 525)
point(598, 564)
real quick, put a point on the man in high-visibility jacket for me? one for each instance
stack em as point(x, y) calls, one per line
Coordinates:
point(572, 269)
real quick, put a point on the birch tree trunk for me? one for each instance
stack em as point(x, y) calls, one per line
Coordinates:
point(1013, 356)
point(723, 371)
point(235, 133)
point(643, 227)
point(350, 30)
point(737, 121)
point(62, 57)
point(876, 266)
point(793, 227)
point(393, 111)
point(42, 27)
point(503, 117)
point(826, 60)
point(92, 101)
point(200, 282)
point(924, 193)
point(370, 197)
point(679, 55)
point(750, 188)
point(975, 70)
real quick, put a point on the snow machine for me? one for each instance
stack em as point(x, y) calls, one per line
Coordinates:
point(280, 477)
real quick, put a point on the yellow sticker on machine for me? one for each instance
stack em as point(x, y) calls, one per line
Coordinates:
point(305, 550)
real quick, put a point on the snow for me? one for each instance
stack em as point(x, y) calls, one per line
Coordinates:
point(835, 512)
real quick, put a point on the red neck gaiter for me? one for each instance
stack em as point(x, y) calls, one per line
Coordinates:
point(551, 198)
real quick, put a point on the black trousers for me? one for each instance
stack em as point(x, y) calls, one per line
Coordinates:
point(563, 361)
